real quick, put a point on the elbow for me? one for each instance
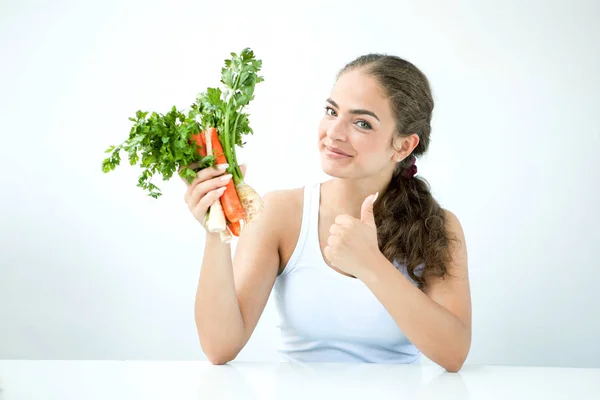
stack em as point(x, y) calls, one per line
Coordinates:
point(455, 364)
point(453, 367)
point(218, 350)
point(220, 357)
point(218, 360)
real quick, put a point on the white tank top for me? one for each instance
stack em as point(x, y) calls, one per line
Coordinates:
point(329, 317)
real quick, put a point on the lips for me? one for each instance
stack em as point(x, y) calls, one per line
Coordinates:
point(336, 150)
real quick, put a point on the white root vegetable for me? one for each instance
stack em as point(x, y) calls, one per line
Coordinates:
point(226, 236)
point(216, 218)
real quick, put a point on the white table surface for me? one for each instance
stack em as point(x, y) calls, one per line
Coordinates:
point(115, 380)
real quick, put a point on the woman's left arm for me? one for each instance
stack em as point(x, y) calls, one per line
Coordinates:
point(437, 320)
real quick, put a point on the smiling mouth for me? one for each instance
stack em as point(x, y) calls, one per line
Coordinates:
point(336, 156)
point(336, 151)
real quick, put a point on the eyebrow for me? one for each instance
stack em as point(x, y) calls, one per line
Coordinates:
point(358, 111)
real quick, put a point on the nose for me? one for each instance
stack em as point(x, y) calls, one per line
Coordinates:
point(335, 131)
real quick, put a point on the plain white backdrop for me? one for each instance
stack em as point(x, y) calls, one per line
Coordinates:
point(92, 268)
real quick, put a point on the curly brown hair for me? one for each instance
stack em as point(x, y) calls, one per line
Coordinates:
point(411, 225)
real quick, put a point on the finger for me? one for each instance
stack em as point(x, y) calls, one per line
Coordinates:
point(211, 172)
point(192, 188)
point(327, 251)
point(243, 168)
point(335, 229)
point(207, 201)
point(344, 219)
point(205, 187)
point(333, 240)
point(202, 176)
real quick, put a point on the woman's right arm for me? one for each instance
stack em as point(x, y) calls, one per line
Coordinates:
point(232, 294)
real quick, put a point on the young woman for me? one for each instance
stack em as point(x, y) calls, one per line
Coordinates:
point(365, 267)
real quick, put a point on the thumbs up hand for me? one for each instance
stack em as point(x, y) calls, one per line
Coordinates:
point(352, 243)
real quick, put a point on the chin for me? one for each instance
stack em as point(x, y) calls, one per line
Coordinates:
point(334, 168)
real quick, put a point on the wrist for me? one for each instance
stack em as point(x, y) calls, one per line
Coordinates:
point(373, 273)
point(214, 238)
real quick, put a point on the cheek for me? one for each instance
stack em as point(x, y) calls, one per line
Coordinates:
point(372, 154)
point(322, 132)
point(367, 145)
point(323, 125)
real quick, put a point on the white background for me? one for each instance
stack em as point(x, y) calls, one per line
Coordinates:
point(91, 268)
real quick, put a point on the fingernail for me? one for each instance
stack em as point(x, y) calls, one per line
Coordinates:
point(376, 194)
point(227, 177)
point(223, 167)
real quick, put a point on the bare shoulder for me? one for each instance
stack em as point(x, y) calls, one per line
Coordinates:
point(453, 225)
point(282, 200)
point(458, 245)
point(457, 252)
point(281, 206)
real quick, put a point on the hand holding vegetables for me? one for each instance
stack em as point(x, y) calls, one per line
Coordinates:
point(202, 137)
point(205, 191)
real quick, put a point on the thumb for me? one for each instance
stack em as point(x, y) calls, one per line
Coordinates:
point(243, 168)
point(366, 211)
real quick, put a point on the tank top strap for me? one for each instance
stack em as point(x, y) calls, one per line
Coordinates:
point(314, 205)
point(312, 237)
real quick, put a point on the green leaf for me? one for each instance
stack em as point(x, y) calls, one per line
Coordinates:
point(107, 165)
point(227, 77)
point(213, 96)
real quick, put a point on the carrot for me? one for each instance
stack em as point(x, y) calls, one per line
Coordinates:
point(199, 139)
point(232, 206)
point(235, 228)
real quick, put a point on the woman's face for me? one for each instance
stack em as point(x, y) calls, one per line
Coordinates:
point(358, 121)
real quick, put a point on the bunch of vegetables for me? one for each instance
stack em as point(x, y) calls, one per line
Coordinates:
point(205, 135)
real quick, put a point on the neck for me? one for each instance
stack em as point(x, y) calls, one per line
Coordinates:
point(346, 196)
